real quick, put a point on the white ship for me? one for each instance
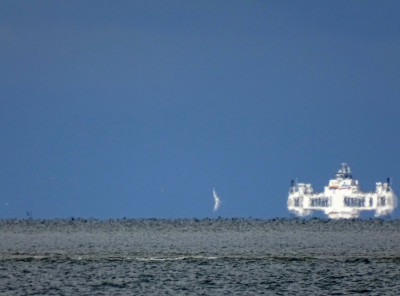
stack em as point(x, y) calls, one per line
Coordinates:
point(342, 198)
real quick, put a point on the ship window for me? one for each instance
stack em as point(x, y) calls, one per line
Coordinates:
point(354, 202)
point(319, 202)
point(383, 201)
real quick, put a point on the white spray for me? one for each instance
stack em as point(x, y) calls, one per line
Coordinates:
point(217, 201)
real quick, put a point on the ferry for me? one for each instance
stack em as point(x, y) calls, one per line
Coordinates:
point(341, 198)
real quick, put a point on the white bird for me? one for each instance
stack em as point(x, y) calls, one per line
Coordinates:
point(217, 201)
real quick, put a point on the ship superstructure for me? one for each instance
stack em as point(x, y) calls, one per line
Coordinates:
point(342, 197)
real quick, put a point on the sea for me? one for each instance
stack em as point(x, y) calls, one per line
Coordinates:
point(218, 256)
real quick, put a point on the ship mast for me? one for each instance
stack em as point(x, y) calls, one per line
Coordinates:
point(344, 172)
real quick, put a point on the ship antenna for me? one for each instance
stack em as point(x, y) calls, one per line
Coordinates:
point(389, 179)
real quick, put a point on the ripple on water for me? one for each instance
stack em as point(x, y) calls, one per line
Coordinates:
point(219, 257)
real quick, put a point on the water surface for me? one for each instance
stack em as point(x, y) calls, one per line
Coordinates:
point(199, 257)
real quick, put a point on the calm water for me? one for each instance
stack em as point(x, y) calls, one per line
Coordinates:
point(199, 257)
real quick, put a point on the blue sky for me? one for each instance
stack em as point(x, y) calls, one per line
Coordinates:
point(138, 109)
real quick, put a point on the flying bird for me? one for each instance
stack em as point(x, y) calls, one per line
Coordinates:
point(217, 201)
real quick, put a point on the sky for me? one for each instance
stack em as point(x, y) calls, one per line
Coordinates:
point(139, 109)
